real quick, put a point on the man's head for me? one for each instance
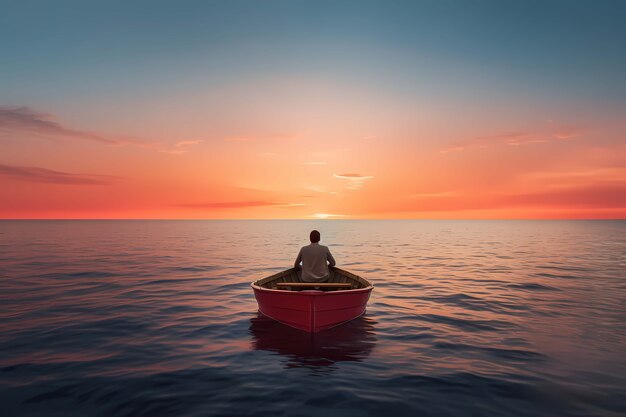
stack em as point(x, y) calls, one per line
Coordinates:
point(315, 236)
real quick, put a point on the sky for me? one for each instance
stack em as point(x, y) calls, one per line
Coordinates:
point(313, 109)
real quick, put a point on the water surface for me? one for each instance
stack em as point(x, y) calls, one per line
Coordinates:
point(157, 318)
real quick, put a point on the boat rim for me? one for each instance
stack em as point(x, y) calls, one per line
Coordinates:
point(370, 287)
point(337, 292)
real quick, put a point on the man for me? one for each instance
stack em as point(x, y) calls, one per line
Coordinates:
point(315, 260)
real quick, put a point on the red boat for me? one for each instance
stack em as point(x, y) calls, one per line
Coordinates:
point(312, 307)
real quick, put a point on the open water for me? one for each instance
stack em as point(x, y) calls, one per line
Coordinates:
point(467, 318)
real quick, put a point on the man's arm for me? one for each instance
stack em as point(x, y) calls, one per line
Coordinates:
point(331, 260)
point(296, 264)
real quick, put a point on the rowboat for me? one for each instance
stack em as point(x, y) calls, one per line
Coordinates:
point(312, 307)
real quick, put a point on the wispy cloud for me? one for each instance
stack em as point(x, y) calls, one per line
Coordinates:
point(291, 205)
point(567, 133)
point(355, 181)
point(240, 204)
point(433, 195)
point(181, 147)
point(583, 176)
point(268, 137)
point(185, 143)
point(238, 139)
point(25, 119)
point(517, 138)
point(173, 151)
point(601, 194)
point(353, 177)
point(314, 187)
point(34, 174)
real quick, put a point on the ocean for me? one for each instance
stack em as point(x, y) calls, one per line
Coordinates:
point(467, 318)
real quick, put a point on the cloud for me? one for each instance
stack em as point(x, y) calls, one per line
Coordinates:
point(584, 176)
point(187, 143)
point(601, 194)
point(266, 137)
point(291, 205)
point(174, 151)
point(181, 147)
point(597, 195)
point(353, 177)
point(315, 163)
point(314, 187)
point(238, 139)
point(437, 194)
point(34, 174)
point(566, 134)
point(25, 119)
point(240, 204)
point(516, 138)
point(355, 181)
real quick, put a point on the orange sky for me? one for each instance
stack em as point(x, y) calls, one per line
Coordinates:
point(342, 168)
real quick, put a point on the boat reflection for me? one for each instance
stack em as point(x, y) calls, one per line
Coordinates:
point(352, 341)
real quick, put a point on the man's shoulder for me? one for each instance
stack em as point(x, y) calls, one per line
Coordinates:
point(314, 247)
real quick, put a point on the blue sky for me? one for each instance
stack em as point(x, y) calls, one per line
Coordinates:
point(567, 48)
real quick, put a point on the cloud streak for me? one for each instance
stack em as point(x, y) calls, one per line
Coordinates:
point(20, 120)
point(355, 181)
point(185, 143)
point(515, 139)
point(597, 195)
point(25, 119)
point(239, 204)
point(48, 176)
point(181, 147)
point(435, 194)
point(353, 177)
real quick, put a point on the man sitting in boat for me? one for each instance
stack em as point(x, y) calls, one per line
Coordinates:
point(315, 260)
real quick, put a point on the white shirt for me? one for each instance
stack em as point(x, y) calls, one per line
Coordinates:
point(315, 260)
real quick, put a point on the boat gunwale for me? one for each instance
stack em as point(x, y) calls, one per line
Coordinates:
point(368, 288)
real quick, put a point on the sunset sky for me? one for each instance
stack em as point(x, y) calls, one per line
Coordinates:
point(318, 109)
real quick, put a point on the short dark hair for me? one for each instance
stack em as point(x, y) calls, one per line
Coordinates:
point(315, 236)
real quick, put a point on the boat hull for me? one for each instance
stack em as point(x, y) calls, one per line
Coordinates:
point(312, 311)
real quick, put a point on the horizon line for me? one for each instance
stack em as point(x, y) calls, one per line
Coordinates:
point(307, 219)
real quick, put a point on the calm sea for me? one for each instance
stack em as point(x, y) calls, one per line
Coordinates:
point(467, 318)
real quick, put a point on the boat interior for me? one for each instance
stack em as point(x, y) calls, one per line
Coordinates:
point(290, 280)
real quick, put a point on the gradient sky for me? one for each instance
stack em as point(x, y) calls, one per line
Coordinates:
point(318, 109)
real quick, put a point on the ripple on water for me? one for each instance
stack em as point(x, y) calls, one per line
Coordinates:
point(158, 318)
point(533, 286)
point(469, 325)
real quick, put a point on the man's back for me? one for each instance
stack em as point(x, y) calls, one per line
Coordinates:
point(315, 260)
